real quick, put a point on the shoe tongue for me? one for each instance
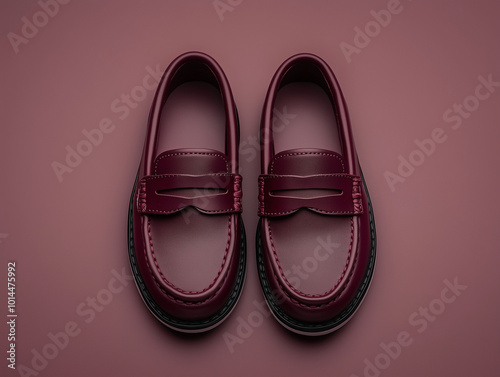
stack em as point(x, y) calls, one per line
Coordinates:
point(190, 161)
point(306, 162)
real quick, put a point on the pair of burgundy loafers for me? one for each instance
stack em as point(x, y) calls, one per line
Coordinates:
point(316, 235)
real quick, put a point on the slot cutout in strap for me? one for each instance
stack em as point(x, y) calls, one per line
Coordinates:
point(192, 193)
point(209, 193)
point(306, 193)
point(332, 194)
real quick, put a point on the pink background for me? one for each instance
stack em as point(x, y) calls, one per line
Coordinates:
point(67, 237)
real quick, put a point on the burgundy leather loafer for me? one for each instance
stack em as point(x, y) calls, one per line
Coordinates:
point(316, 236)
point(185, 233)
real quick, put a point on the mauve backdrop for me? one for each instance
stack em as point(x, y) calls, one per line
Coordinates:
point(410, 70)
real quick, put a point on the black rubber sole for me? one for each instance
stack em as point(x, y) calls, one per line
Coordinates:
point(319, 328)
point(190, 326)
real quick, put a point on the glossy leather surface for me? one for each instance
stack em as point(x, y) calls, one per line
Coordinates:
point(344, 197)
point(306, 195)
point(182, 194)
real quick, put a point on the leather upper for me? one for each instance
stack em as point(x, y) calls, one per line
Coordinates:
point(171, 181)
point(330, 186)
